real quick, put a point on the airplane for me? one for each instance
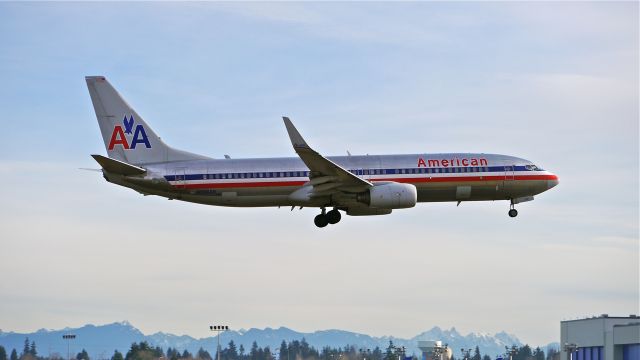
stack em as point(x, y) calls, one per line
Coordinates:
point(357, 185)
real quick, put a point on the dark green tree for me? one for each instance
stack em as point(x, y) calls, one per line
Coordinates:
point(232, 351)
point(524, 353)
point(3, 353)
point(376, 354)
point(32, 349)
point(143, 351)
point(389, 353)
point(186, 354)
point(117, 355)
point(82, 355)
point(486, 357)
point(283, 351)
point(538, 354)
point(476, 354)
point(173, 354)
point(253, 354)
point(241, 352)
point(26, 349)
point(305, 350)
point(203, 354)
point(14, 355)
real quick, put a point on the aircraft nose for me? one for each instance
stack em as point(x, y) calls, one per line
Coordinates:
point(553, 181)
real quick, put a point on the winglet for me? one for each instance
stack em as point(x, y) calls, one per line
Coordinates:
point(294, 135)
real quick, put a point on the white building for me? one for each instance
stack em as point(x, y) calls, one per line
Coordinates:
point(434, 350)
point(601, 338)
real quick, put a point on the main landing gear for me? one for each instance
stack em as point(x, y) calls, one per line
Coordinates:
point(512, 211)
point(325, 218)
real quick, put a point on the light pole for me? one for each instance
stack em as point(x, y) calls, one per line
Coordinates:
point(364, 353)
point(570, 349)
point(511, 351)
point(218, 329)
point(466, 354)
point(400, 350)
point(68, 337)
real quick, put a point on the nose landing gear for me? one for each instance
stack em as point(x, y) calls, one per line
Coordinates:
point(512, 211)
point(324, 218)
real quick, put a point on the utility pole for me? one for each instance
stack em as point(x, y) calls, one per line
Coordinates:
point(68, 337)
point(219, 329)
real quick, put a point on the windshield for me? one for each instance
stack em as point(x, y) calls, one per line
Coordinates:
point(532, 167)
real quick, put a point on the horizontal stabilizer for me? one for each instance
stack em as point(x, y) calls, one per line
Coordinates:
point(117, 166)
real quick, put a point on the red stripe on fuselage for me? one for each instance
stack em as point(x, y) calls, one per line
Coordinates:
point(400, 180)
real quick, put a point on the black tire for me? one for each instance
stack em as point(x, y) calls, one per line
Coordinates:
point(513, 213)
point(334, 216)
point(321, 220)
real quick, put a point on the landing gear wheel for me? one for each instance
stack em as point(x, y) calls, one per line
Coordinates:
point(513, 213)
point(333, 216)
point(321, 220)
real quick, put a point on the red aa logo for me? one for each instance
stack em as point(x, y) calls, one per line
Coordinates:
point(128, 142)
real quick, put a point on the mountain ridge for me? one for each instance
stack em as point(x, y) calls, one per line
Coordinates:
point(100, 341)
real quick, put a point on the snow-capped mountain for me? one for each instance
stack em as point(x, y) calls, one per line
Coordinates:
point(101, 341)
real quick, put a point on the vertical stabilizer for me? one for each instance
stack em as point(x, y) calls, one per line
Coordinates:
point(127, 137)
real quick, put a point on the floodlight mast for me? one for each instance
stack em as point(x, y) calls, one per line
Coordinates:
point(68, 337)
point(218, 329)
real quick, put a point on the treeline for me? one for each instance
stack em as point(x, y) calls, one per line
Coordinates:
point(294, 350)
point(518, 353)
point(30, 352)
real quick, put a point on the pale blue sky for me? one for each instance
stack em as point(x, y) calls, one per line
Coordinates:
point(553, 83)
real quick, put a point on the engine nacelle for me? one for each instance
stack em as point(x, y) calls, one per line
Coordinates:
point(390, 195)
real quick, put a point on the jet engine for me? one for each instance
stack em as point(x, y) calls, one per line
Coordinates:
point(390, 195)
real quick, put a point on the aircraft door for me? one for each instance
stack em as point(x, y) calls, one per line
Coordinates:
point(509, 177)
point(180, 179)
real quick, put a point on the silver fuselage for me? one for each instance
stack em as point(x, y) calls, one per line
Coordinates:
point(270, 181)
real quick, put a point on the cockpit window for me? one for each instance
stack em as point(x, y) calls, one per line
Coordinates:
point(532, 167)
